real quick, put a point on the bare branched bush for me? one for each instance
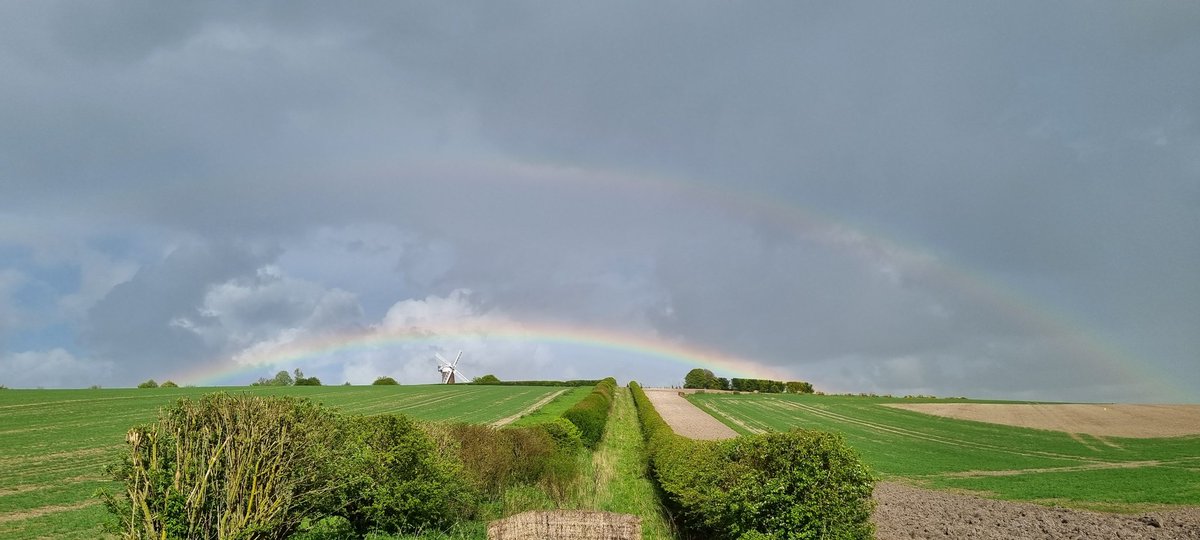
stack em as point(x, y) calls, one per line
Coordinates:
point(223, 466)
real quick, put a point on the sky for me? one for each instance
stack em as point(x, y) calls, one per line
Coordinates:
point(990, 200)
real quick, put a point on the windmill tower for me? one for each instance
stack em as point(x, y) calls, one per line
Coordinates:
point(449, 370)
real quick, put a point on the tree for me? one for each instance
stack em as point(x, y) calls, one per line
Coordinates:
point(699, 378)
point(385, 380)
point(148, 384)
point(486, 379)
point(799, 387)
point(168, 384)
point(283, 379)
point(301, 380)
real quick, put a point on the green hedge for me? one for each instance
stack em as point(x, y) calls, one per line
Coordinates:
point(591, 413)
point(797, 484)
point(572, 383)
point(267, 467)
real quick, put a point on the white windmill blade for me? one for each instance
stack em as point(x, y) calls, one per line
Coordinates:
point(439, 357)
point(464, 376)
point(456, 359)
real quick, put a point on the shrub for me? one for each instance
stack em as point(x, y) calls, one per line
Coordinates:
point(385, 381)
point(396, 481)
point(591, 413)
point(496, 460)
point(571, 383)
point(227, 467)
point(168, 384)
point(308, 381)
point(486, 379)
point(148, 384)
point(798, 484)
point(799, 387)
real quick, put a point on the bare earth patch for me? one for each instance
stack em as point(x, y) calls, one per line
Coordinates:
point(904, 512)
point(1112, 420)
point(687, 419)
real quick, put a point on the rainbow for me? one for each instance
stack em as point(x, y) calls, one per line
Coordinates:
point(303, 352)
point(853, 239)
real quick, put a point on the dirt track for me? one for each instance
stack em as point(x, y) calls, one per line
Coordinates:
point(687, 419)
point(1111, 420)
point(907, 512)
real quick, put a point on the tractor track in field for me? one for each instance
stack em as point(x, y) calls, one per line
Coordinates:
point(540, 403)
point(905, 512)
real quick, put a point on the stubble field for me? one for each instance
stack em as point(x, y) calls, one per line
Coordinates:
point(54, 444)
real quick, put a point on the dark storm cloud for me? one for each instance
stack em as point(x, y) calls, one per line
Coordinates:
point(1049, 153)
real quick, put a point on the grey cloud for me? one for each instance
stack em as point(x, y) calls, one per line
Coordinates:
point(396, 151)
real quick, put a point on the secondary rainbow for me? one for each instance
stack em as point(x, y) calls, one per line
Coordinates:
point(858, 240)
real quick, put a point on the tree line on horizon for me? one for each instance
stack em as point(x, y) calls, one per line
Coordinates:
point(704, 379)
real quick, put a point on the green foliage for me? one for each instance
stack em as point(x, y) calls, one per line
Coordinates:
point(394, 480)
point(565, 435)
point(168, 384)
point(798, 484)
point(266, 467)
point(703, 378)
point(591, 413)
point(227, 466)
point(498, 459)
point(301, 380)
point(385, 381)
point(148, 384)
point(486, 379)
point(799, 387)
point(756, 385)
point(280, 379)
point(79, 421)
point(570, 383)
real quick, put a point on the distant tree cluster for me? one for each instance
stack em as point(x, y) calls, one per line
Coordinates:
point(385, 381)
point(148, 384)
point(283, 378)
point(704, 379)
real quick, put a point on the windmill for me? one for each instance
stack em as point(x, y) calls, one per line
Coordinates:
point(449, 370)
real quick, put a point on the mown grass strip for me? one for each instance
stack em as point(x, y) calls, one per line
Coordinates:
point(620, 465)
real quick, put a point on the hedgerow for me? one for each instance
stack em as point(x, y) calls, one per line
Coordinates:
point(497, 459)
point(491, 380)
point(392, 479)
point(227, 467)
point(255, 467)
point(797, 484)
point(591, 413)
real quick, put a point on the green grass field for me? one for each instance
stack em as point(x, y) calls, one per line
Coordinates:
point(54, 444)
point(1001, 461)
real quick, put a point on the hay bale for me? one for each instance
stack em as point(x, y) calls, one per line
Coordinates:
point(566, 525)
